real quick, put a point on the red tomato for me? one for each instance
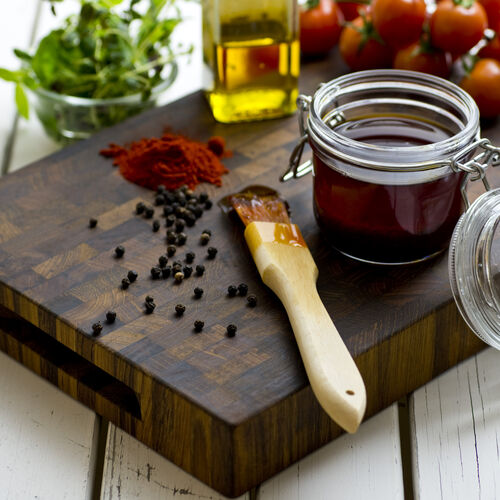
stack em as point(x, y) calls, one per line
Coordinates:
point(492, 50)
point(482, 84)
point(455, 28)
point(399, 22)
point(360, 50)
point(320, 27)
point(415, 57)
point(492, 8)
point(350, 10)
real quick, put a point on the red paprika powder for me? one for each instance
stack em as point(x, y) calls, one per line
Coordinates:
point(172, 160)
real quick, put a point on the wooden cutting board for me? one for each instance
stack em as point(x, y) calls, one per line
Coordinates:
point(231, 411)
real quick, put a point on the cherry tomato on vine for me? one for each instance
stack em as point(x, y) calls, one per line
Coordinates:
point(361, 46)
point(482, 83)
point(350, 10)
point(418, 57)
point(456, 26)
point(492, 50)
point(492, 8)
point(320, 26)
point(399, 22)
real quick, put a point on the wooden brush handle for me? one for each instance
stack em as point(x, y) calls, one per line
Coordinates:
point(290, 271)
point(334, 377)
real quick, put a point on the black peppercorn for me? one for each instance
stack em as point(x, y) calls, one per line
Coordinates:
point(167, 210)
point(155, 272)
point(203, 197)
point(198, 326)
point(200, 269)
point(179, 225)
point(208, 231)
point(179, 276)
point(175, 205)
point(198, 211)
point(171, 250)
point(232, 290)
point(161, 188)
point(190, 219)
point(190, 257)
point(211, 252)
point(181, 199)
point(252, 300)
point(165, 272)
point(177, 263)
point(125, 283)
point(119, 251)
point(170, 220)
point(132, 276)
point(204, 238)
point(139, 208)
point(92, 223)
point(231, 330)
point(190, 207)
point(149, 212)
point(149, 298)
point(181, 239)
point(110, 316)
point(189, 193)
point(150, 307)
point(183, 188)
point(208, 204)
point(159, 200)
point(180, 309)
point(188, 271)
point(169, 197)
point(243, 289)
point(180, 212)
point(97, 328)
point(156, 225)
point(163, 260)
point(198, 292)
point(171, 237)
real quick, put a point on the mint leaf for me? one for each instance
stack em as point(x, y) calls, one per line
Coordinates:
point(22, 101)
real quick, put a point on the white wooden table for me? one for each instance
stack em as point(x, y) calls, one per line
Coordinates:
point(443, 442)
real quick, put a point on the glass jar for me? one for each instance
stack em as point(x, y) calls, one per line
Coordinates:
point(251, 58)
point(393, 152)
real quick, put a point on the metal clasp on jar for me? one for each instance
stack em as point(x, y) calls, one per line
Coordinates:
point(295, 168)
point(475, 169)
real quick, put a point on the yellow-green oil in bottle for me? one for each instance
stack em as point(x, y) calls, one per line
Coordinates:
point(252, 60)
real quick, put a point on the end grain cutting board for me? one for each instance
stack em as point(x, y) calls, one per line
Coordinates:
point(231, 411)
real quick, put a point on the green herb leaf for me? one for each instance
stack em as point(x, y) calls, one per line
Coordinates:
point(24, 56)
point(9, 76)
point(22, 101)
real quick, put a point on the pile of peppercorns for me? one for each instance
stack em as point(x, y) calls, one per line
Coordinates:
point(181, 208)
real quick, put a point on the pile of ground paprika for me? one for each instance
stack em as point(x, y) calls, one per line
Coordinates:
point(172, 160)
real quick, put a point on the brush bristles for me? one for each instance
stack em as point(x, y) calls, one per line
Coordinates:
point(258, 204)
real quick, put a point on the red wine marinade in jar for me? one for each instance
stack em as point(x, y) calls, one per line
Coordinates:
point(382, 222)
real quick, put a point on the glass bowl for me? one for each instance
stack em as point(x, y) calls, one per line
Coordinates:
point(67, 118)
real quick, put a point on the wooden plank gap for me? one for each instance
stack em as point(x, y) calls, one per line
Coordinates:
point(405, 438)
point(98, 456)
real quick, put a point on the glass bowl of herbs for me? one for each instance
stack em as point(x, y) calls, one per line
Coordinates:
point(104, 64)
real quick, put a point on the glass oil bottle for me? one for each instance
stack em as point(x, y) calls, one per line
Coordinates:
point(251, 58)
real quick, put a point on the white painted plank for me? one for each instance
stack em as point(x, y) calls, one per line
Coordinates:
point(31, 141)
point(365, 465)
point(132, 470)
point(45, 439)
point(455, 423)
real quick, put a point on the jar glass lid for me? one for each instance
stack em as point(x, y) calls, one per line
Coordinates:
point(474, 267)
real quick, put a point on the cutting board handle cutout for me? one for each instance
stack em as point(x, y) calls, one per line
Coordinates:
point(60, 365)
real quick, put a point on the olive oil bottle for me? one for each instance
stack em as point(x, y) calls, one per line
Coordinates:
point(251, 58)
